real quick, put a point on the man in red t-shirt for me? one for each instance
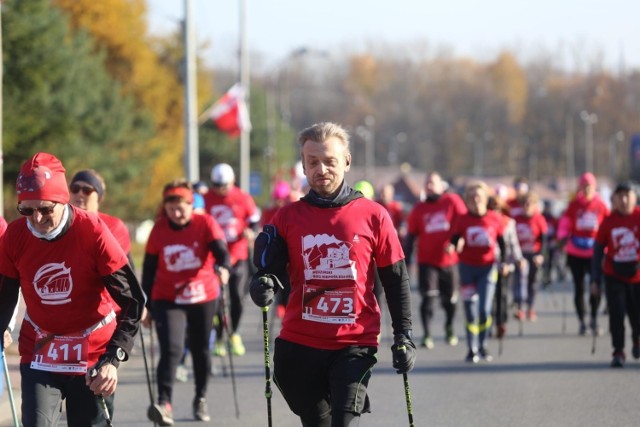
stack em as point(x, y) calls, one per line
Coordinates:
point(237, 214)
point(430, 223)
point(617, 244)
point(83, 301)
point(329, 244)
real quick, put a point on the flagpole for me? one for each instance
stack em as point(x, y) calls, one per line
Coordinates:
point(244, 81)
point(1, 122)
point(191, 163)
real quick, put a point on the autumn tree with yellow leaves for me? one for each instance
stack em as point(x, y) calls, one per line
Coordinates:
point(148, 69)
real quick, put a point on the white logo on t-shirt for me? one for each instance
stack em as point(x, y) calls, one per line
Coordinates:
point(327, 258)
point(180, 257)
point(227, 220)
point(625, 245)
point(478, 237)
point(53, 283)
point(436, 222)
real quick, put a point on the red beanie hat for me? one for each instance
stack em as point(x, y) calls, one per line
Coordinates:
point(42, 178)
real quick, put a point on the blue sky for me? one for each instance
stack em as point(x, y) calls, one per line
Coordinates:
point(480, 29)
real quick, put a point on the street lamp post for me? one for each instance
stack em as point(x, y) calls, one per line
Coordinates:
point(399, 139)
point(477, 150)
point(589, 120)
point(614, 139)
point(367, 133)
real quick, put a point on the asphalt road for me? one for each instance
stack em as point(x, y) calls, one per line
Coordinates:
point(547, 376)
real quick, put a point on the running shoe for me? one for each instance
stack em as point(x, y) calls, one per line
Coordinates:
point(200, 410)
point(502, 330)
point(427, 342)
point(635, 350)
point(520, 315)
point(484, 355)
point(237, 347)
point(219, 349)
point(472, 357)
point(182, 374)
point(451, 337)
point(618, 359)
point(161, 414)
point(531, 315)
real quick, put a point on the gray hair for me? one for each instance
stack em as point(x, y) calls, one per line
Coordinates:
point(320, 132)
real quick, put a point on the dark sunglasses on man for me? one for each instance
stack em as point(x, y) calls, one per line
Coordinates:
point(43, 210)
point(86, 189)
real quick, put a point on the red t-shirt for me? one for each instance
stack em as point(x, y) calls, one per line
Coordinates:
point(332, 256)
point(620, 235)
point(61, 281)
point(185, 273)
point(530, 230)
point(480, 234)
point(515, 208)
point(234, 212)
point(395, 212)
point(583, 217)
point(118, 229)
point(431, 222)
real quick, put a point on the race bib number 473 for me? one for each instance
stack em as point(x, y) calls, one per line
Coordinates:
point(329, 305)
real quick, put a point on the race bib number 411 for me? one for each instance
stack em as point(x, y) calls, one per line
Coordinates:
point(329, 305)
point(65, 354)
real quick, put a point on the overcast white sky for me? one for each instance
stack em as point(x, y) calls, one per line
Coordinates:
point(477, 28)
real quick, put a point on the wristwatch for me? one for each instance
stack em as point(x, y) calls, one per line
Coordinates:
point(116, 358)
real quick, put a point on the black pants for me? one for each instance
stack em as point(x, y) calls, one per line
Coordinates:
point(43, 393)
point(172, 321)
point(435, 282)
point(622, 299)
point(580, 267)
point(238, 286)
point(323, 387)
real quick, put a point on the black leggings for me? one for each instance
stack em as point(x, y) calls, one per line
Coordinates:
point(622, 299)
point(172, 321)
point(238, 283)
point(580, 267)
point(434, 282)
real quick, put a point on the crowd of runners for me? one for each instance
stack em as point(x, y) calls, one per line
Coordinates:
point(329, 257)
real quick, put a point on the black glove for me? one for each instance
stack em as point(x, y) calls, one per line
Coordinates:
point(404, 353)
point(262, 289)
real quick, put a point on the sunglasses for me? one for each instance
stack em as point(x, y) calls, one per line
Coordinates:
point(86, 190)
point(44, 210)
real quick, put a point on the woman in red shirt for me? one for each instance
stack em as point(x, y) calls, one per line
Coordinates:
point(531, 228)
point(183, 253)
point(481, 230)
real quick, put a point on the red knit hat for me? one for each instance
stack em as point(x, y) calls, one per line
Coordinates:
point(587, 178)
point(42, 178)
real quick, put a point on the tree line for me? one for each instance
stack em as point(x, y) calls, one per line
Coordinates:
point(86, 81)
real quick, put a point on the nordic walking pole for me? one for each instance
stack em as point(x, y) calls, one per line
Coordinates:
point(14, 413)
point(225, 325)
point(146, 370)
point(499, 312)
point(407, 393)
point(267, 366)
point(103, 404)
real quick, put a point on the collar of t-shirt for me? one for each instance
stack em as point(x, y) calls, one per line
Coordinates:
point(346, 195)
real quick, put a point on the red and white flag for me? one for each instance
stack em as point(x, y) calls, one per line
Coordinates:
point(230, 113)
